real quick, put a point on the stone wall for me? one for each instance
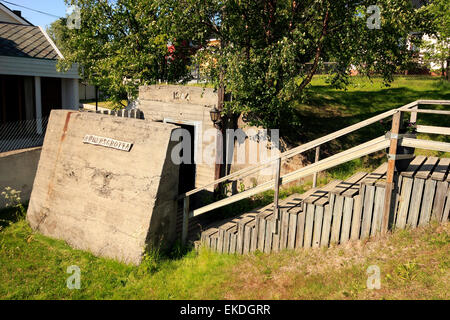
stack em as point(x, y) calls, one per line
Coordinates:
point(111, 202)
point(184, 105)
point(17, 171)
point(192, 105)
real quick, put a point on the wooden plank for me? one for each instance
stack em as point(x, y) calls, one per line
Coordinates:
point(414, 166)
point(284, 229)
point(349, 183)
point(291, 202)
point(369, 196)
point(226, 242)
point(248, 236)
point(427, 202)
point(241, 234)
point(276, 242)
point(214, 242)
point(255, 231)
point(441, 169)
point(263, 226)
point(404, 202)
point(425, 170)
point(356, 219)
point(346, 220)
point(309, 225)
point(226, 235)
point(397, 120)
point(318, 218)
point(426, 144)
point(377, 211)
point(315, 160)
point(439, 200)
point(416, 199)
point(433, 130)
point(326, 193)
point(447, 208)
point(326, 226)
point(337, 219)
point(270, 226)
point(396, 199)
point(233, 241)
point(300, 230)
point(372, 177)
point(292, 230)
point(305, 196)
point(353, 190)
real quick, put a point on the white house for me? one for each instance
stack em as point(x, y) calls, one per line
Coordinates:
point(30, 85)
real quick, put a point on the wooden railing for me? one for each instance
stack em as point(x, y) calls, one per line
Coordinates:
point(320, 165)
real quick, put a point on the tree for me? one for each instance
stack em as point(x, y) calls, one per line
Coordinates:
point(121, 45)
point(271, 49)
point(437, 49)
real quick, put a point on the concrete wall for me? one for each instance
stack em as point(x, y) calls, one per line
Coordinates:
point(17, 170)
point(188, 105)
point(111, 202)
point(86, 92)
point(191, 105)
point(70, 94)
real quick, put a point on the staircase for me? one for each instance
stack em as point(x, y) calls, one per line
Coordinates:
point(357, 208)
point(339, 212)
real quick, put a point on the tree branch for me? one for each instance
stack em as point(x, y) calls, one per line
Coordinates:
point(308, 79)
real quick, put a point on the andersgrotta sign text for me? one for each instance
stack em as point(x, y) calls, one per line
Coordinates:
point(108, 143)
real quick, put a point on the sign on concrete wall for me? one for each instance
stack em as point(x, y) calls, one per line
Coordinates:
point(112, 197)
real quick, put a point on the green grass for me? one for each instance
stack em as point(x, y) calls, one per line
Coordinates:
point(414, 265)
point(108, 104)
point(326, 110)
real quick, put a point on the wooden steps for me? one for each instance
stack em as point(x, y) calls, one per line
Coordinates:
point(339, 212)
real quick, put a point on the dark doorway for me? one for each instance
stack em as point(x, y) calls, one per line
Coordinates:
point(12, 99)
point(51, 95)
point(187, 170)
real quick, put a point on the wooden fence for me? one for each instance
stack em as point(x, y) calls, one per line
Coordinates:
point(393, 142)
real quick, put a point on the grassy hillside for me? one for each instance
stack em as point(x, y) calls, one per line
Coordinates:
point(414, 265)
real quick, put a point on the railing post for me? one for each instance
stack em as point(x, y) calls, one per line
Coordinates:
point(413, 118)
point(277, 187)
point(276, 206)
point(184, 232)
point(316, 160)
point(396, 124)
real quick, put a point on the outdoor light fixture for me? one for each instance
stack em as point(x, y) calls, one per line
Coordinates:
point(215, 116)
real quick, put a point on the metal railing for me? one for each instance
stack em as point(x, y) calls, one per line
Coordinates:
point(320, 165)
point(22, 134)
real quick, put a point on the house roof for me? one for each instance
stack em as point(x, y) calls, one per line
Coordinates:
point(26, 41)
point(16, 16)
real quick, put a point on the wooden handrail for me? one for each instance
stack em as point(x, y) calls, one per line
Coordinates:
point(345, 156)
point(425, 144)
point(308, 146)
point(348, 155)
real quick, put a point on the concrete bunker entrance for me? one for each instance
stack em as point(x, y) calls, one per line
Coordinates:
point(188, 169)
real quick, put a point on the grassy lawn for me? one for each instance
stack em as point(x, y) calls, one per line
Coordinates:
point(327, 110)
point(414, 265)
point(108, 104)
